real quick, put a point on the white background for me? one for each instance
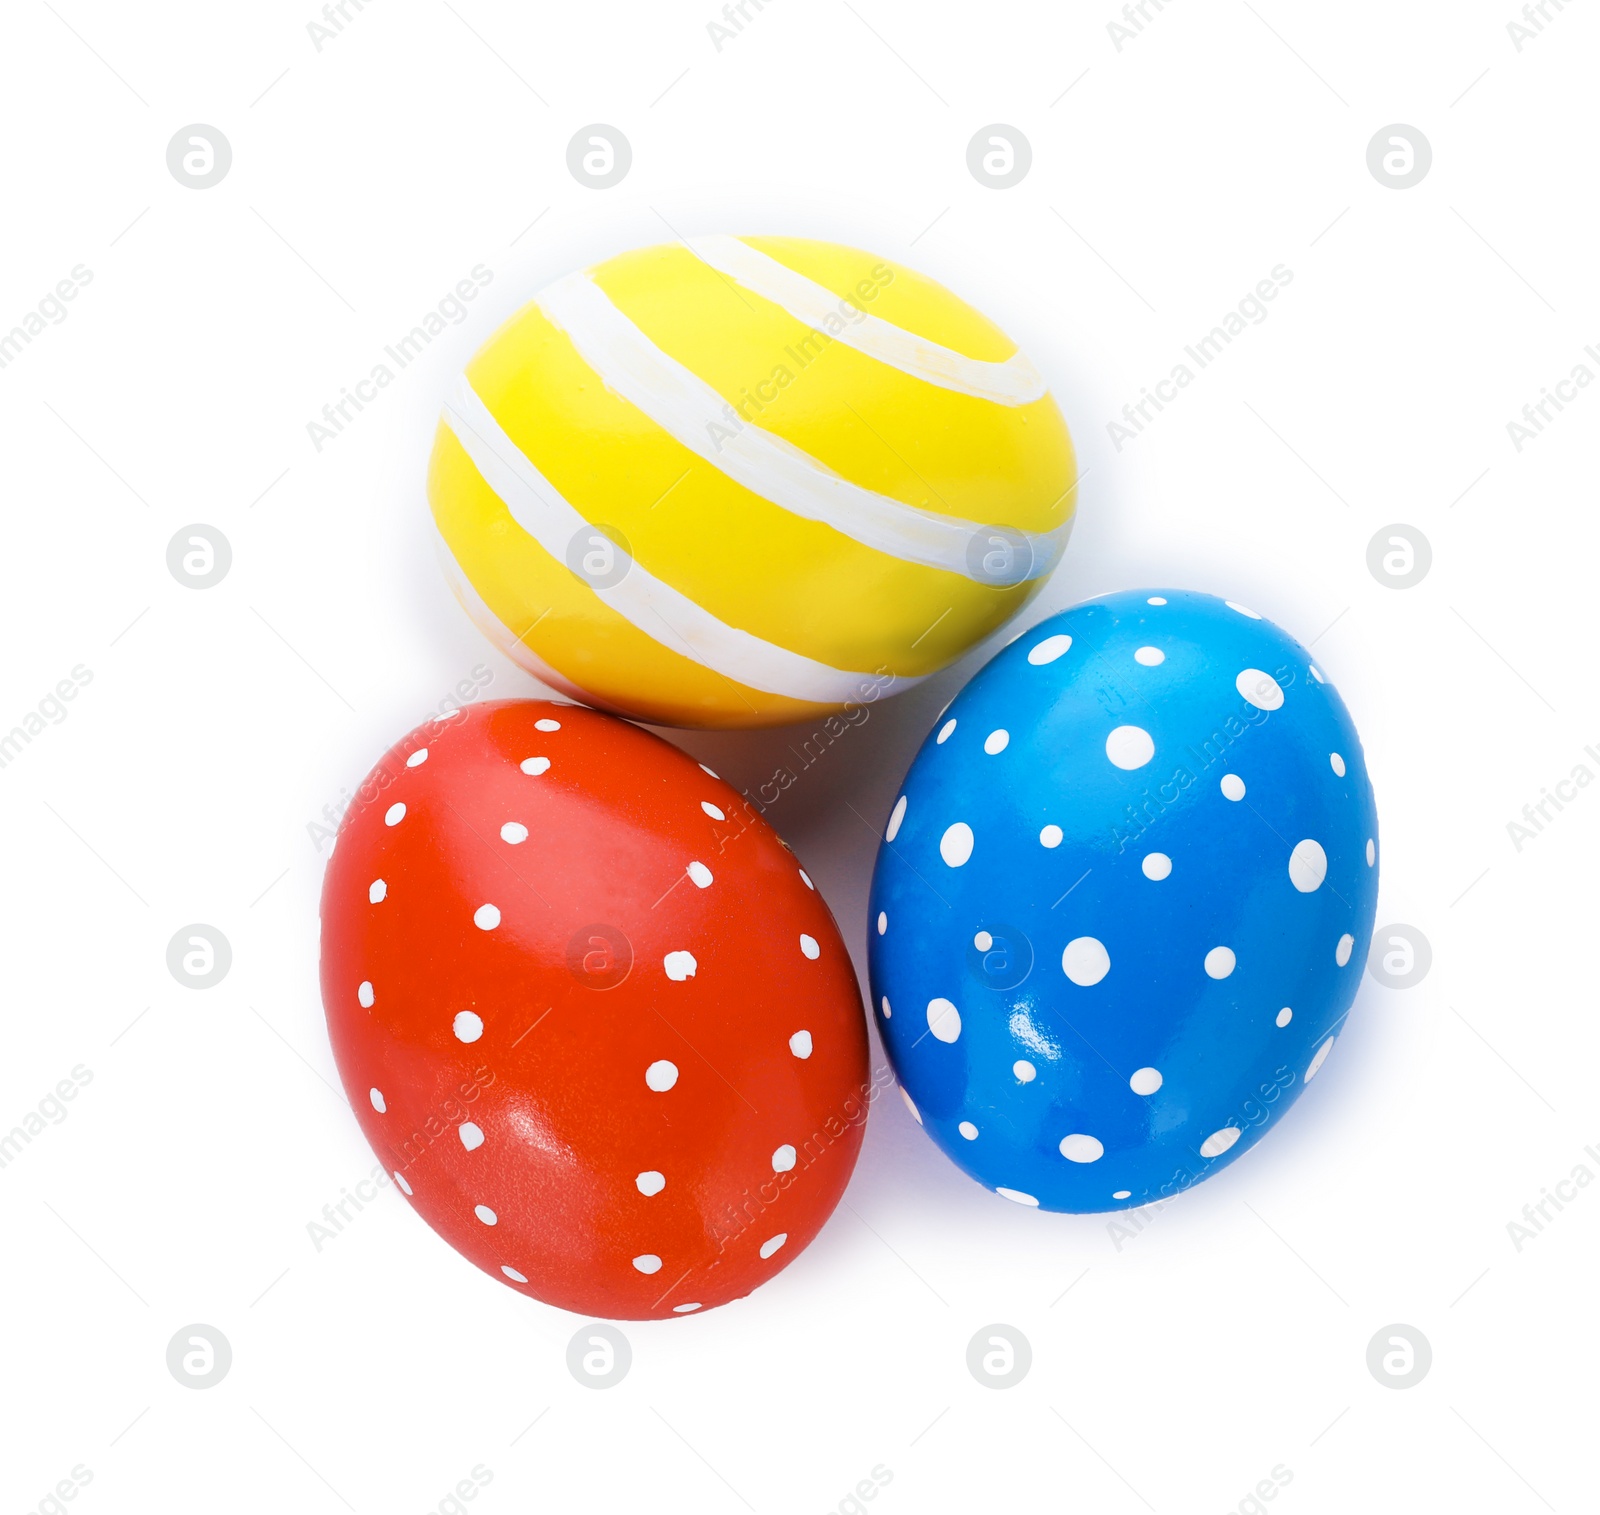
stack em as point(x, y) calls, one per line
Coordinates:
point(1172, 1373)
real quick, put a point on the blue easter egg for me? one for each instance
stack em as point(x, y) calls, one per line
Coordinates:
point(1123, 901)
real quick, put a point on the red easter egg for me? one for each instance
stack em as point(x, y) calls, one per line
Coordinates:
point(590, 1011)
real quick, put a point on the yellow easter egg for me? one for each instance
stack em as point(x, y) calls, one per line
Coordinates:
point(747, 481)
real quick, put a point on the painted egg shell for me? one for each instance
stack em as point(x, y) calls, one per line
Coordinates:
point(591, 1013)
point(746, 481)
point(1124, 900)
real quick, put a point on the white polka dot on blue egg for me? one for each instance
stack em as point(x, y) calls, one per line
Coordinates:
point(1127, 891)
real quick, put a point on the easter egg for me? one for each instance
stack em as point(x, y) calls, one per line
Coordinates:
point(1123, 901)
point(746, 481)
point(592, 1015)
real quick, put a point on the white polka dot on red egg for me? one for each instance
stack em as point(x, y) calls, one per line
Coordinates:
point(783, 1159)
point(772, 1243)
point(486, 1215)
point(364, 995)
point(534, 766)
point(486, 917)
point(800, 1044)
point(810, 947)
point(661, 1075)
point(395, 813)
point(514, 833)
point(513, 1275)
point(546, 724)
point(417, 758)
point(376, 1097)
point(700, 875)
point(467, 1025)
point(377, 892)
point(647, 1262)
point(714, 811)
point(471, 1135)
point(650, 1183)
point(679, 966)
point(805, 878)
point(400, 1182)
point(688, 1309)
